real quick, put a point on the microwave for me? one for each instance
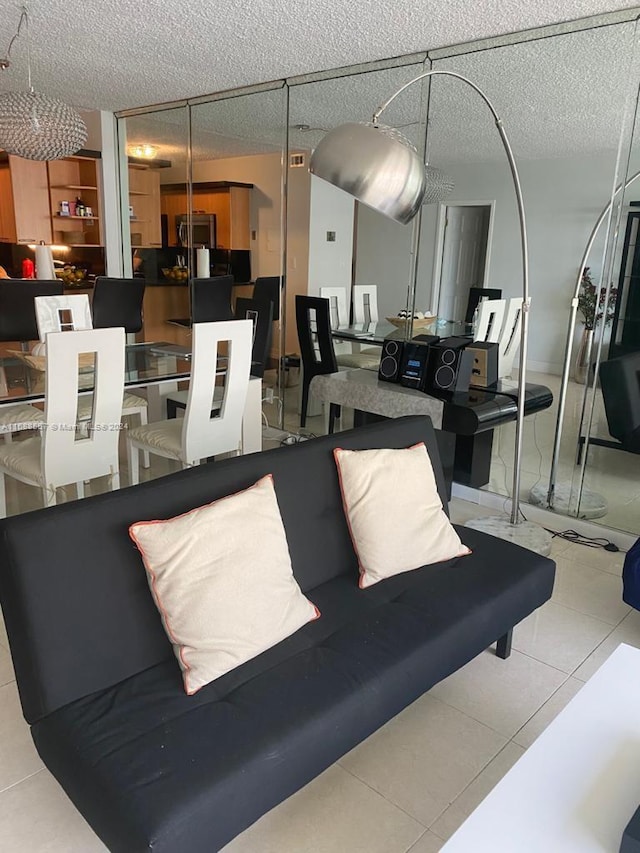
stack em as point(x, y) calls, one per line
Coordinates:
point(203, 227)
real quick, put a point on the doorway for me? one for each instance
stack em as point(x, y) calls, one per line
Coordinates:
point(463, 248)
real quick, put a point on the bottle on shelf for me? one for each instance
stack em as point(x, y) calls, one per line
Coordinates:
point(80, 207)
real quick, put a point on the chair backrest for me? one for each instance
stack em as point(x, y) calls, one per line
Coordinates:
point(66, 313)
point(118, 302)
point(268, 287)
point(211, 299)
point(314, 335)
point(202, 435)
point(620, 383)
point(67, 457)
point(509, 339)
point(17, 311)
point(490, 320)
point(338, 305)
point(365, 303)
point(261, 315)
point(475, 295)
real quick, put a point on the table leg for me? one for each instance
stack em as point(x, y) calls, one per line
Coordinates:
point(156, 402)
point(472, 466)
point(252, 419)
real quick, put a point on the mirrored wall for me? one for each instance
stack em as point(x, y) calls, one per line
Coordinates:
point(232, 170)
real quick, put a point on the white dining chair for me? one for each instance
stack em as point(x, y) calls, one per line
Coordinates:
point(509, 340)
point(365, 303)
point(51, 317)
point(490, 320)
point(347, 354)
point(67, 313)
point(198, 435)
point(15, 418)
point(63, 454)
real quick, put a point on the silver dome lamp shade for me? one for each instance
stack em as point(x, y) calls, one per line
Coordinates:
point(376, 165)
point(33, 125)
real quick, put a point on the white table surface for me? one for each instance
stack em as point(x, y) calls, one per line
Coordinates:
point(576, 788)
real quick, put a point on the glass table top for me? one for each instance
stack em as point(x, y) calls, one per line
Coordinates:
point(22, 376)
point(377, 333)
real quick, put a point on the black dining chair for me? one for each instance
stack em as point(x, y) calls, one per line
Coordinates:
point(620, 384)
point(268, 287)
point(17, 308)
point(117, 302)
point(211, 299)
point(475, 295)
point(261, 312)
point(313, 322)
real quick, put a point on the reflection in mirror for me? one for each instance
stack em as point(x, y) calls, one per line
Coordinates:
point(337, 248)
point(608, 439)
point(563, 117)
point(239, 149)
point(155, 144)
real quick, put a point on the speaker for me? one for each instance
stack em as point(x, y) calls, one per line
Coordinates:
point(413, 365)
point(450, 366)
point(484, 373)
point(390, 360)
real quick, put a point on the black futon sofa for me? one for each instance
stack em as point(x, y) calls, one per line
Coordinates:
point(151, 768)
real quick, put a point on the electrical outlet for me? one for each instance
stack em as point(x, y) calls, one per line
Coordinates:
point(331, 236)
point(268, 395)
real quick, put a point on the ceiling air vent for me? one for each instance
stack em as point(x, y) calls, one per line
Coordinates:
point(296, 160)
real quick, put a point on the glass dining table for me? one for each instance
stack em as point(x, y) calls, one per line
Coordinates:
point(377, 333)
point(157, 367)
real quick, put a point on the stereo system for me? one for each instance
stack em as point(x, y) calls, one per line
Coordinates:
point(484, 373)
point(428, 363)
point(389, 368)
point(449, 366)
point(413, 365)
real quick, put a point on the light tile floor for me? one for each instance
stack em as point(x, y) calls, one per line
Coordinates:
point(410, 785)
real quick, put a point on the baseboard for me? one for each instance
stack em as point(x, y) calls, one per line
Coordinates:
point(544, 517)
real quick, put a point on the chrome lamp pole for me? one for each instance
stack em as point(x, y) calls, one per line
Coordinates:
point(379, 167)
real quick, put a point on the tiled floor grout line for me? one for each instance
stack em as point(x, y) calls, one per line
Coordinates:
point(20, 781)
point(380, 794)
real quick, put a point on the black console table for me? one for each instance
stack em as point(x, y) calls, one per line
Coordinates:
point(464, 421)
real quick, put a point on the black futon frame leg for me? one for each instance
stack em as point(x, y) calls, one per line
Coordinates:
point(503, 646)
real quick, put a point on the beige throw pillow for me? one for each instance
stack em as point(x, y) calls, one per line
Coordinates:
point(221, 578)
point(394, 511)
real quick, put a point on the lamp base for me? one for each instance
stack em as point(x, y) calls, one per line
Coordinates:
point(592, 504)
point(526, 533)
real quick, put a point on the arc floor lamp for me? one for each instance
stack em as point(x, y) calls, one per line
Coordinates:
point(379, 167)
point(556, 496)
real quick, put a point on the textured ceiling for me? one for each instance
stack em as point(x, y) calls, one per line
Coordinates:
point(117, 54)
point(551, 93)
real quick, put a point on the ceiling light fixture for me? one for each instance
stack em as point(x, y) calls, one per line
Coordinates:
point(33, 125)
point(143, 151)
point(381, 168)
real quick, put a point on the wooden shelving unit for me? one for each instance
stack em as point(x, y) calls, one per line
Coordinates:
point(144, 198)
point(70, 178)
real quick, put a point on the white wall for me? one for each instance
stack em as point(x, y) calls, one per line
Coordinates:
point(264, 171)
point(330, 263)
point(383, 258)
point(563, 199)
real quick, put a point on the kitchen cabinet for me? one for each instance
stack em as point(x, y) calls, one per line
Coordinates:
point(144, 200)
point(69, 179)
point(24, 201)
point(231, 203)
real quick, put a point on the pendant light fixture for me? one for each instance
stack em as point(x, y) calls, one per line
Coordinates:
point(33, 125)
